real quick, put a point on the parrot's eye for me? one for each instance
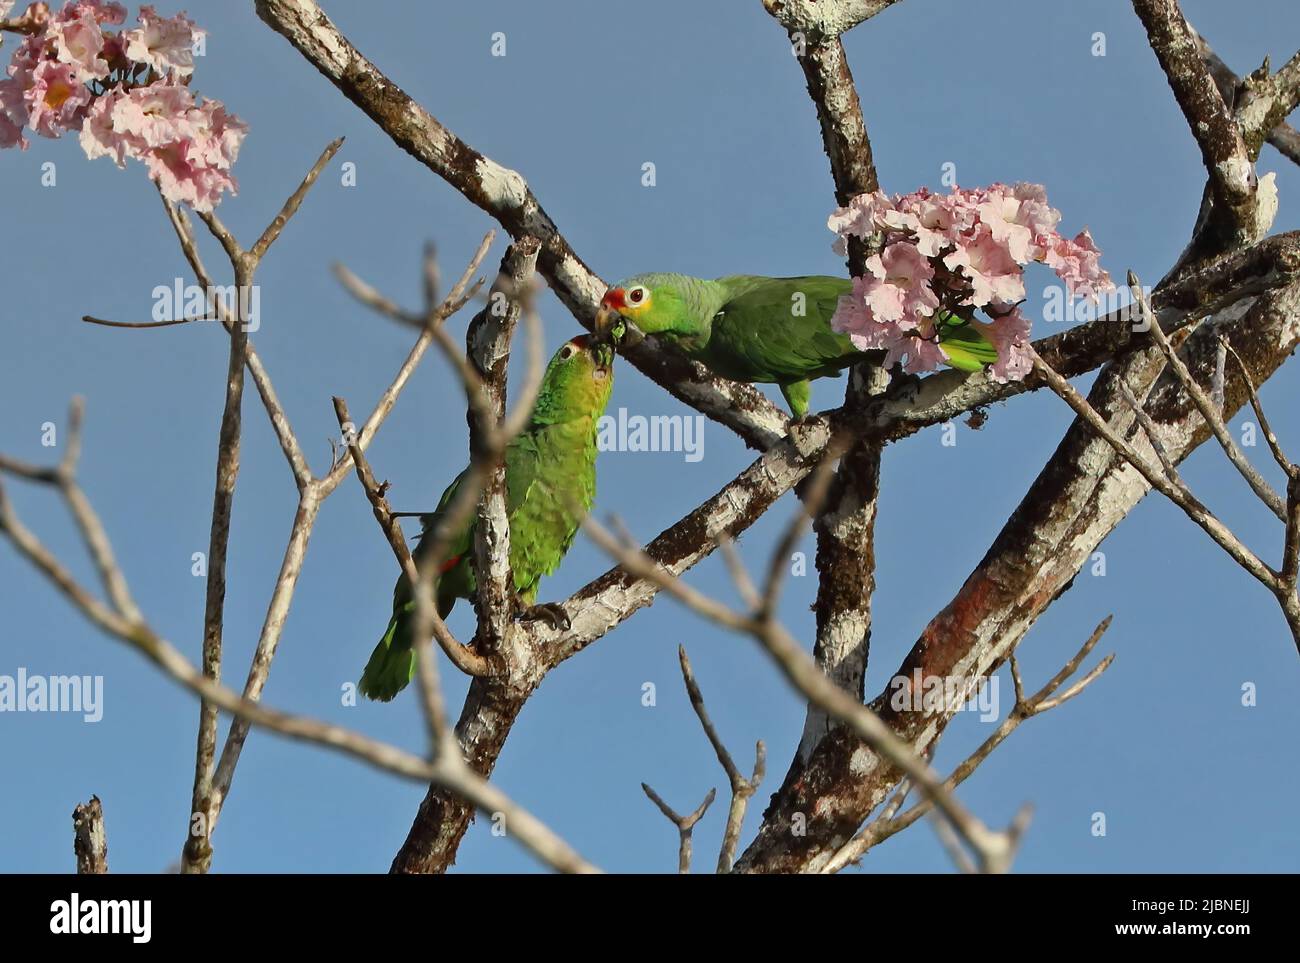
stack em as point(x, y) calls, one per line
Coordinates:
point(567, 352)
point(637, 295)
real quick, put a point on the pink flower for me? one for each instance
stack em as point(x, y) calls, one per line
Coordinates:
point(13, 114)
point(150, 115)
point(990, 268)
point(155, 115)
point(222, 134)
point(1009, 334)
point(164, 43)
point(179, 171)
point(80, 43)
point(1000, 213)
point(862, 217)
point(101, 11)
point(55, 99)
point(1078, 264)
point(890, 309)
point(1036, 215)
point(11, 134)
point(939, 221)
point(99, 138)
point(188, 149)
point(907, 269)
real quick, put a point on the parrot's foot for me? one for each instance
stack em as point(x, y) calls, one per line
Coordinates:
point(796, 429)
point(552, 613)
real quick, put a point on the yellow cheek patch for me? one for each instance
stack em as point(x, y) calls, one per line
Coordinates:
point(634, 311)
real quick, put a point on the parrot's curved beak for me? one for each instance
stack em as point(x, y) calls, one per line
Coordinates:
point(610, 325)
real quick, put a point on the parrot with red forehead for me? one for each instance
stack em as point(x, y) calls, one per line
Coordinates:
point(550, 486)
point(764, 330)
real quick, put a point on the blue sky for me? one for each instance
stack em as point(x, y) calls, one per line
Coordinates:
point(1189, 779)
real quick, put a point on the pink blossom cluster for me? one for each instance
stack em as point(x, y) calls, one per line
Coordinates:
point(950, 254)
point(126, 93)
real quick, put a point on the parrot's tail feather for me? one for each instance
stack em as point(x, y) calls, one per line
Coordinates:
point(392, 664)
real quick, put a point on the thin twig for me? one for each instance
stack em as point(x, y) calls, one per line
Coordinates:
point(294, 202)
point(1205, 405)
point(741, 788)
point(447, 769)
point(994, 850)
point(1190, 505)
point(889, 823)
point(435, 715)
point(685, 824)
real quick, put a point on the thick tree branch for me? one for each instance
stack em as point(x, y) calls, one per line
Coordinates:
point(845, 522)
point(487, 343)
point(889, 823)
point(1286, 86)
point(1085, 490)
point(1223, 151)
point(824, 18)
point(506, 196)
point(993, 850)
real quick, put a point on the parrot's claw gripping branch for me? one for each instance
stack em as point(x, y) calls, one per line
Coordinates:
point(552, 613)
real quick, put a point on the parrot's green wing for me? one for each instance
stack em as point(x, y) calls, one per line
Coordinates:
point(458, 546)
point(544, 517)
point(392, 663)
point(965, 345)
point(779, 329)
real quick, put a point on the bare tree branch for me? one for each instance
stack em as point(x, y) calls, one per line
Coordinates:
point(1173, 489)
point(685, 824)
point(824, 18)
point(197, 856)
point(89, 843)
point(741, 788)
point(1262, 109)
point(1209, 411)
point(994, 851)
point(464, 658)
point(505, 195)
point(889, 824)
point(446, 769)
point(846, 513)
point(1229, 166)
point(1083, 492)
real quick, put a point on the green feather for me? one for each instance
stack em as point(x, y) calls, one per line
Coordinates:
point(771, 330)
point(550, 486)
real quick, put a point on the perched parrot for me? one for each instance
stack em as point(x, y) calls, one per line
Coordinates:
point(550, 485)
point(766, 330)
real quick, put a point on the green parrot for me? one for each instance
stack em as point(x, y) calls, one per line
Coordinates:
point(550, 485)
point(746, 328)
